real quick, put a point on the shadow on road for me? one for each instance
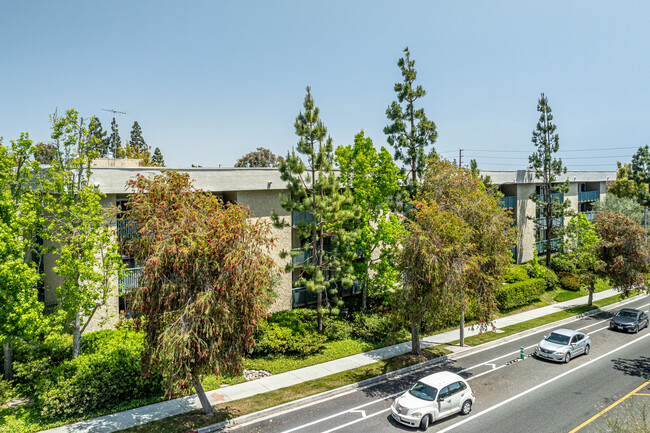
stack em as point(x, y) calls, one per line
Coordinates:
point(639, 367)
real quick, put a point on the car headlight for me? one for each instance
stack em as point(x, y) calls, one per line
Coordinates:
point(559, 352)
point(417, 414)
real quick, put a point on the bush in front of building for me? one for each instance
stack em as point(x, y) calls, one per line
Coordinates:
point(273, 338)
point(107, 374)
point(560, 263)
point(516, 273)
point(570, 281)
point(519, 294)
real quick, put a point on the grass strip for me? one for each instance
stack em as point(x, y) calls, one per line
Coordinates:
point(233, 409)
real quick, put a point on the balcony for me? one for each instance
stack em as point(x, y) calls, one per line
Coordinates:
point(591, 215)
point(298, 217)
point(302, 257)
point(301, 297)
point(508, 202)
point(541, 245)
point(541, 222)
point(587, 196)
point(125, 230)
point(555, 195)
point(130, 279)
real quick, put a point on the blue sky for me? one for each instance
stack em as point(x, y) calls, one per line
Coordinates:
point(210, 81)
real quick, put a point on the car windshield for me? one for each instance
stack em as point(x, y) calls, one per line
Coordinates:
point(630, 314)
point(425, 392)
point(558, 338)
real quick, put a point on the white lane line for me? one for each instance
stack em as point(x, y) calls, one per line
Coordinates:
point(536, 387)
point(356, 421)
point(342, 413)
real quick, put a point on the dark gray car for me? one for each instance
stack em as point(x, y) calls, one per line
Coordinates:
point(628, 319)
point(562, 345)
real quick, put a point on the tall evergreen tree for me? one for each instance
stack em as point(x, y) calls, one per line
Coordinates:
point(547, 169)
point(157, 158)
point(100, 141)
point(410, 132)
point(138, 145)
point(641, 175)
point(315, 191)
point(115, 142)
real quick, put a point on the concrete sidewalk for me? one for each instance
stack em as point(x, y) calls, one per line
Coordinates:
point(133, 417)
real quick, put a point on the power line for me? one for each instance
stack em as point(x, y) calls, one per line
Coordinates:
point(559, 151)
point(570, 158)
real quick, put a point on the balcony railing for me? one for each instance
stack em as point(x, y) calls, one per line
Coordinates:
point(541, 222)
point(541, 245)
point(591, 215)
point(298, 217)
point(558, 195)
point(508, 202)
point(130, 280)
point(301, 297)
point(302, 257)
point(586, 196)
point(125, 230)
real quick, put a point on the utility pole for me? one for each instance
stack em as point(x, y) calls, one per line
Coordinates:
point(114, 113)
point(460, 157)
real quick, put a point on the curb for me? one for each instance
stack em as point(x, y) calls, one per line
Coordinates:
point(367, 382)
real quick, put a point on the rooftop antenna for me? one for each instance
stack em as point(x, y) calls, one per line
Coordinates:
point(114, 113)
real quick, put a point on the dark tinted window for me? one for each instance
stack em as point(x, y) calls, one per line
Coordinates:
point(444, 393)
point(454, 388)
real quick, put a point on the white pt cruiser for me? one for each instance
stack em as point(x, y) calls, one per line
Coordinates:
point(431, 398)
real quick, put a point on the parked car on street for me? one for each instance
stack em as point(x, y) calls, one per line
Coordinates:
point(562, 345)
point(431, 398)
point(628, 319)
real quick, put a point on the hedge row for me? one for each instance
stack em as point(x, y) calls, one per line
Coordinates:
point(520, 293)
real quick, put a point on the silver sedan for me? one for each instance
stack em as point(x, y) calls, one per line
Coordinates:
point(562, 345)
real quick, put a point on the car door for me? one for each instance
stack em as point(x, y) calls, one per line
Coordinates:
point(456, 395)
point(644, 317)
point(574, 346)
point(444, 402)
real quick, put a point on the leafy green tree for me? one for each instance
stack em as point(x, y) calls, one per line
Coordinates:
point(624, 186)
point(87, 257)
point(157, 159)
point(627, 206)
point(410, 132)
point(207, 279)
point(374, 179)
point(624, 251)
point(99, 139)
point(114, 141)
point(583, 246)
point(259, 158)
point(20, 310)
point(455, 253)
point(485, 180)
point(641, 175)
point(314, 190)
point(44, 153)
point(547, 169)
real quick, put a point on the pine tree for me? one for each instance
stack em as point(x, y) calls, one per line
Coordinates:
point(314, 190)
point(411, 132)
point(547, 169)
point(139, 147)
point(157, 158)
point(115, 142)
point(100, 141)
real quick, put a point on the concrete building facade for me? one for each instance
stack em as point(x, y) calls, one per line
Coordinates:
point(260, 189)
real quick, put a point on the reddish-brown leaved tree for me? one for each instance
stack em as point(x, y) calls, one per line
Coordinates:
point(206, 280)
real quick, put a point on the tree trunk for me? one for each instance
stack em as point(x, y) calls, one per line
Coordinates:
point(205, 403)
point(462, 328)
point(319, 310)
point(76, 336)
point(415, 340)
point(590, 300)
point(8, 354)
point(364, 295)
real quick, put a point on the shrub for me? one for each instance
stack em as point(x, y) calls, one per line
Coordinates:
point(552, 281)
point(535, 269)
point(521, 293)
point(107, 373)
point(562, 264)
point(372, 327)
point(273, 338)
point(516, 273)
point(570, 281)
point(336, 328)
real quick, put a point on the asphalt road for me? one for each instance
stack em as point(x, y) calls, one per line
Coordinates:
point(529, 395)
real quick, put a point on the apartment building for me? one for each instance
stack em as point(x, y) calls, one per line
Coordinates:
point(260, 190)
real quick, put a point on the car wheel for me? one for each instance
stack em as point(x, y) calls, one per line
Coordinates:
point(567, 357)
point(587, 349)
point(467, 407)
point(424, 424)
point(636, 329)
